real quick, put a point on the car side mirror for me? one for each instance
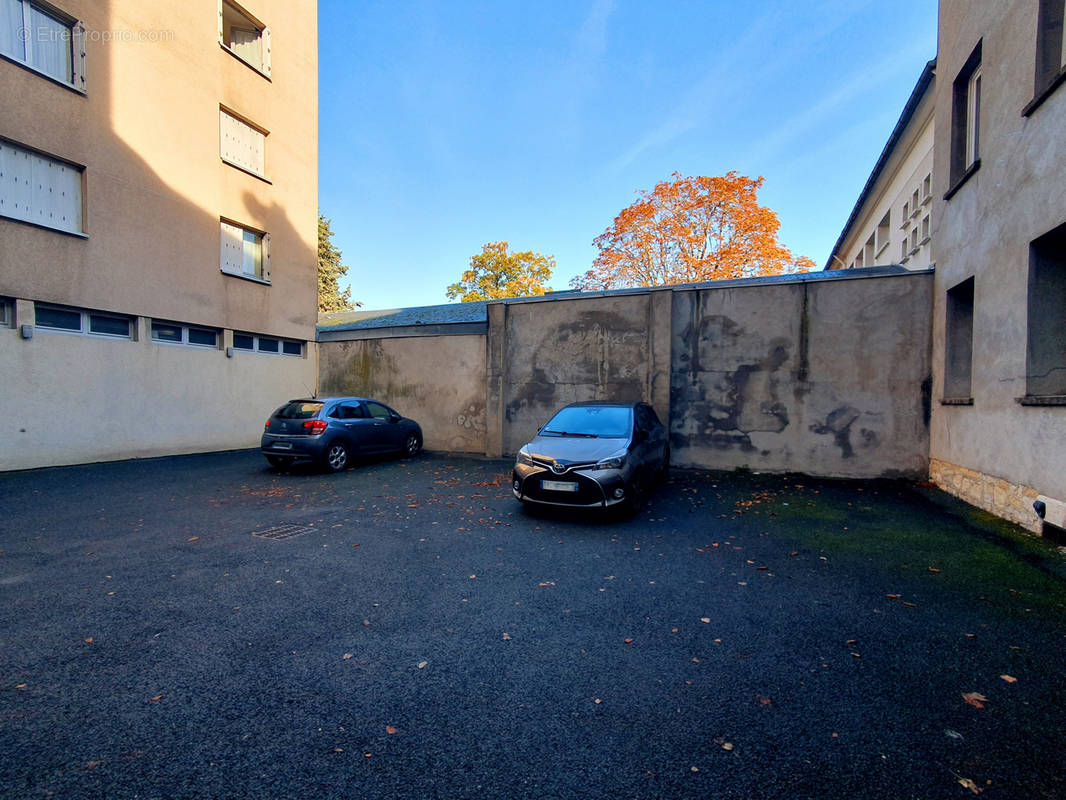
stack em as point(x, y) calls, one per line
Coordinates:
point(394, 418)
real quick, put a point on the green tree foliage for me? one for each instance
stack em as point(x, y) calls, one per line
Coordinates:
point(330, 271)
point(495, 273)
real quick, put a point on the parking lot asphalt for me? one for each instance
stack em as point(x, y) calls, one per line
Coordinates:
point(412, 632)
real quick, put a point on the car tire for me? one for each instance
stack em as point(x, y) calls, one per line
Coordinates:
point(281, 462)
point(336, 458)
point(637, 494)
point(412, 445)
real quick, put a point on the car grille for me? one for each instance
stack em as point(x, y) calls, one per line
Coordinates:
point(588, 491)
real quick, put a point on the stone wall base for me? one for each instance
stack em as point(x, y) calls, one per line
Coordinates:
point(995, 495)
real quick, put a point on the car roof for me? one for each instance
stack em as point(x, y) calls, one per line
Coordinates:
point(333, 400)
point(596, 403)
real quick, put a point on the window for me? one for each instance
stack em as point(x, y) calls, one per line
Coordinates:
point(245, 252)
point(267, 344)
point(906, 214)
point(39, 189)
point(6, 315)
point(926, 229)
point(927, 189)
point(1046, 352)
point(378, 411)
point(43, 40)
point(1050, 47)
point(241, 144)
point(916, 201)
point(244, 36)
point(914, 239)
point(903, 252)
point(966, 122)
point(347, 411)
point(75, 320)
point(883, 232)
point(176, 333)
point(958, 356)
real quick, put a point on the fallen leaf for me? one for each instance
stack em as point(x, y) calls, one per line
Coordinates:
point(706, 620)
point(21, 686)
point(892, 596)
point(727, 746)
point(765, 701)
point(156, 699)
point(93, 764)
point(390, 730)
point(89, 640)
point(194, 539)
point(423, 664)
point(597, 701)
point(975, 699)
point(338, 750)
point(934, 570)
point(1009, 678)
point(969, 784)
point(347, 656)
point(507, 637)
point(629, 641)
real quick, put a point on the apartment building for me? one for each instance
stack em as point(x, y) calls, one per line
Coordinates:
point(892, 221)
point(158, 224)
point(999, 199)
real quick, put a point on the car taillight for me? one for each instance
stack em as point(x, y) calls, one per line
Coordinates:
point(267, 426)
point(316, 426)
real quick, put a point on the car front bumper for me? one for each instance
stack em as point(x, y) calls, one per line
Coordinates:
point(586, 488)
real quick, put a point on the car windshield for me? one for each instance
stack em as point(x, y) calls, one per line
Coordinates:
point(298, 409)
point(609, 422)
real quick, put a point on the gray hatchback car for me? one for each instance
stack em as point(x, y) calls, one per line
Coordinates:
point(594, 455)
point(332, 430)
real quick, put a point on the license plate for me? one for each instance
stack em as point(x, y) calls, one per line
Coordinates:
point(558, 486)
point(282, 445)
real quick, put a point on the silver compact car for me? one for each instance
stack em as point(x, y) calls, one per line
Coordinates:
point(332, 430)
point(594, 455)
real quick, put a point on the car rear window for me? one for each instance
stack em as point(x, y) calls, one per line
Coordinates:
point(298, 410)
point(611, 422)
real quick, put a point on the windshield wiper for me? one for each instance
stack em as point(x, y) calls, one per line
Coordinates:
point(573, 433)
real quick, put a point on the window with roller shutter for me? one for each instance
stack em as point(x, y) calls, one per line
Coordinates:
point(40, 189)
point(241, 144)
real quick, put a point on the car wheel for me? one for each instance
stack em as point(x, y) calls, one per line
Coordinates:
point(664, 470)
point(412, 444)
point(637, 494)
point(279, 461)
point(336, 457)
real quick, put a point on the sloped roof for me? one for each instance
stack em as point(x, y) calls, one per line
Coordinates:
point(447, 314)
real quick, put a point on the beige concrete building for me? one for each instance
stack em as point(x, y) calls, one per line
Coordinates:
point(999, 324)
point(892, 221)
point(158, 224)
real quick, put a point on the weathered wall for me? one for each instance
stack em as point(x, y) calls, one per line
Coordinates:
point(823, 377)
point(827, 375)
point(566, 351)
point(984, 232)
point(439, 381)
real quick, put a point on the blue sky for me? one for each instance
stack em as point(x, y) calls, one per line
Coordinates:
point(444, 125)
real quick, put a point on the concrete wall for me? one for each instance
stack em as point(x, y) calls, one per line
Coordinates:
point(78, 399)
point(439, 381)
point(822, 377)
point(825, 375)
point(997, 453)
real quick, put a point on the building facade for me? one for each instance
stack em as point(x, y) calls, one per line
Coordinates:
point(999, 323)
point(892, 221)
point(158, 224)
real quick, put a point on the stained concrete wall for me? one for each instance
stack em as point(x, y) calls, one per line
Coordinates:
point(439, 381)
point(824, 374)
point(821, 377)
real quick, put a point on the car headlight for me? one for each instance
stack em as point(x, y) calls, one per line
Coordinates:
point(525, 458)
point(614, 462)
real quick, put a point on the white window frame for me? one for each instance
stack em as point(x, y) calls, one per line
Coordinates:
point(232, 129)
point(973, 117)
point(73, 34)
point(279, 339)
point(263, 68)
point(234, 241)
point(85, 322)
point(184, 328)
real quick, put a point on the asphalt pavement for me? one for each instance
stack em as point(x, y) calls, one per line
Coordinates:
point(208, 627)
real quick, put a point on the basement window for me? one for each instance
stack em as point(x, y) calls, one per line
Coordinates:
point(958, 355)
point(83, 321)
point(267, 344)
point(1045, 382)
point(176, 333)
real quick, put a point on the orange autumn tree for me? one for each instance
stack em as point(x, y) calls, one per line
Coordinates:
point(689, 230)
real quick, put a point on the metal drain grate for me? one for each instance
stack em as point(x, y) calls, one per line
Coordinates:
point(279, 532)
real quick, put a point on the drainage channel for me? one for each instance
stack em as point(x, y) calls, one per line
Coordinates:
point(279, 532)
